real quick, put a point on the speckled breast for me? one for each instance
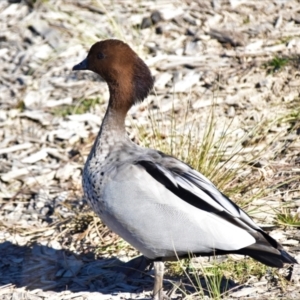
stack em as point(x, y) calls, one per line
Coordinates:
point(92, 183)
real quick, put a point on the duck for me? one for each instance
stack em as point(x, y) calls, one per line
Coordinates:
point(160, 205)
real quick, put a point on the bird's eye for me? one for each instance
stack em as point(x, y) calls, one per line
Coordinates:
point(100, 55)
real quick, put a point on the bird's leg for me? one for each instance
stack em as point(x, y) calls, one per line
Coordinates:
point(158, 293)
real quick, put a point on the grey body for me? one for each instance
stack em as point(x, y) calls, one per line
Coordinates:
point(148, 215)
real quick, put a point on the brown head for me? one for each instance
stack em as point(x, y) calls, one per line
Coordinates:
point(128, 78)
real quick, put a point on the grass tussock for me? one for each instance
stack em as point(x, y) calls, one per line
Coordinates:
point(230, 163)
point(287, 217)
point(216, 280)
point(277, 63)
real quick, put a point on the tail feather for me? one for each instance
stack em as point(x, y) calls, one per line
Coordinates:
point(270, 259)
point(268, 251)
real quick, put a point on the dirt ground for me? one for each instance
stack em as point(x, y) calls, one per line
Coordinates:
point(240, 58)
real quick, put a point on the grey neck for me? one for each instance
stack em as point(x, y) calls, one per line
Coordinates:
point(112, 132)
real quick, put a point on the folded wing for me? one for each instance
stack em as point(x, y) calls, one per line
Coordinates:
point(195, 189)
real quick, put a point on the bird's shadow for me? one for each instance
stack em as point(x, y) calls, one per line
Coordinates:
point(43, 267)
point(48, 269)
